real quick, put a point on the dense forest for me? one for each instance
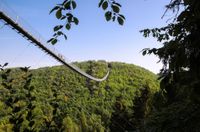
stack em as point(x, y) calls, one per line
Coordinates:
point(132, 99)
point(57, 99)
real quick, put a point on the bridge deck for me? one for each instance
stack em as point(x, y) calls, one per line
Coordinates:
point(16, 26)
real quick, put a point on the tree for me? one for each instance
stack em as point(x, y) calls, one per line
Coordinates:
point(18, 101)
point(181, 51)
point(180, 39)
point(180, 75)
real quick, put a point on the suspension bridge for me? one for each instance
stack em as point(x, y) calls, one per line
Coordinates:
point(11, 19)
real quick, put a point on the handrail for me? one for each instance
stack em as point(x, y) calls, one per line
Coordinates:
point(18, 24)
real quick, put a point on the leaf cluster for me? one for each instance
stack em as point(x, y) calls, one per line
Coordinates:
point(177, 103)
point(112, 9)
point(64, 13)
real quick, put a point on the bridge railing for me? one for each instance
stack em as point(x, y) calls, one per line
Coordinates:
point(20, 22)
point(23, 24)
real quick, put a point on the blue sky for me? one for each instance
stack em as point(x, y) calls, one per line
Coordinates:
point(92, 39)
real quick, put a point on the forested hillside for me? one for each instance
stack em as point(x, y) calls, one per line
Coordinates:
point(57, 99)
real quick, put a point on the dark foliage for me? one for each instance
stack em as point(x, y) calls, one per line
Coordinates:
point(177, 104)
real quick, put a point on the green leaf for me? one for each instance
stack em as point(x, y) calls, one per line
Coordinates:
point(56, 28)
point(120, 20)
point(68, 26)
point(67, 5)
point(73, 4)
point(117, 4)
point(59, 33)
point(54, 34)
point(63, 17)
point(122, 16)
point(113, 18)
point(69, 17)
point(76, 21)
point(5, 64)
point(144, 52)
point(108, 15)
point(100, 3)
point(65, 36)
point(59, 14)
point(64, 2)
point(50, 40)
point(55, 8)
point(105, 5)
point(115, 8)
point(54, 41)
